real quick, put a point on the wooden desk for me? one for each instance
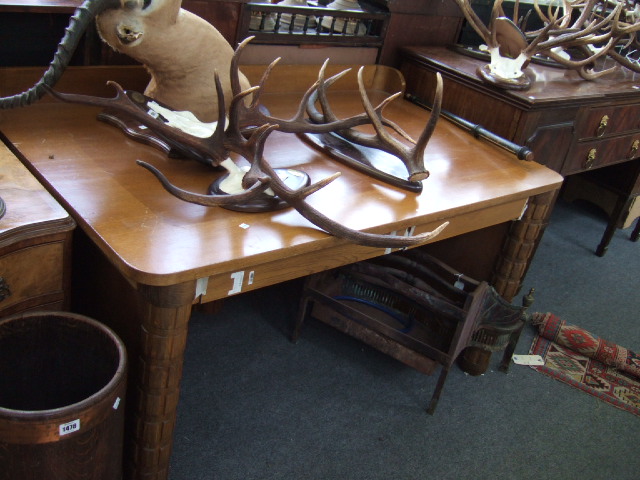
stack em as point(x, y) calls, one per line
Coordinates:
point(570, 124)
point(145, 257)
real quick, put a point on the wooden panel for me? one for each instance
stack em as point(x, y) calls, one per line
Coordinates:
point(619, 119)
point(254, 276)
point(35, 241)
point(606, 151)
point(461, 99)
point(34, 276)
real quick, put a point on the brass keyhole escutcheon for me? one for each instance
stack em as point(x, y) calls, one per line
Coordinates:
point(4, 289)
point(604, 121)
point(634, 149)
point(591, 157)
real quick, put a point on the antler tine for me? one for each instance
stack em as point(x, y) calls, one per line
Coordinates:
point(622, 60)
point(321, 94)
point(588, 9)
point(210, 152)
point(383, 140)
point(236, 113)
point(234, 70)
point(207, 200)
point(217, 139)
point(433, 119)
point(296, 198)
point(327, 117)
point(475, 20)
point(263, 80)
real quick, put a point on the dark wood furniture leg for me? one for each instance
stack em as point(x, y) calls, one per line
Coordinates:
point(636, 232)
point(619, 209)
point(444, 371)
point(152, 321)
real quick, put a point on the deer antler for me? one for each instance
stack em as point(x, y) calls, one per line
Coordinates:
point(327, 122)
point(596, 30)
point(214, 150)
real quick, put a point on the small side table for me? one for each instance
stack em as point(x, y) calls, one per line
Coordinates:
point(35, 242)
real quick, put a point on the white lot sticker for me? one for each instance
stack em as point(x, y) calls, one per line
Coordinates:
point(528, 360)
point(67, 428)
point(238, 278)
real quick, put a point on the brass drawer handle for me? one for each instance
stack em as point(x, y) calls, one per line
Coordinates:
point(4, 289)
point(591, 157)
point(603, 125)
point(634, 149)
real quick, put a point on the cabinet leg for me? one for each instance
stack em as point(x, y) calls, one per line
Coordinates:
point(612, 226)
point(636, 232)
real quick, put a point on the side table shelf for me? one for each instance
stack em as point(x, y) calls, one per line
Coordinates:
point(35, 242)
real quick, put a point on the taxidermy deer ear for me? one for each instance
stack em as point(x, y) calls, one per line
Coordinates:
point(510, 38)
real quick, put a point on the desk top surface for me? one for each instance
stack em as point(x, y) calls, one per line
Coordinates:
point(154, 238)
point(550, 84)
point(30, 209)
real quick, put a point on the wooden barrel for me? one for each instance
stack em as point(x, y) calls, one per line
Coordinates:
point(62, 390)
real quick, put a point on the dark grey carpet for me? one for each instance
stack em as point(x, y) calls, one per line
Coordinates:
point(256, 406)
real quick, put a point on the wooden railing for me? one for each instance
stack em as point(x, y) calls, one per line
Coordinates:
point(274, 24)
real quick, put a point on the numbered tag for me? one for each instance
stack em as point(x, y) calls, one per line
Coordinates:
point(67, 428)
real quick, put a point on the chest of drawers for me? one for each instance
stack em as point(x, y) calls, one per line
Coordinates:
point(35, 242)
point(571, 125)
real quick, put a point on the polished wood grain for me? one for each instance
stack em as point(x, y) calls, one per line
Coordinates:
point(35, 242)
point(154, 255)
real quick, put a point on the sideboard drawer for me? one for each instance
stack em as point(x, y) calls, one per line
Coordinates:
point(32, 276)
point(609, 120)
point(35, 242)
point(598, 153)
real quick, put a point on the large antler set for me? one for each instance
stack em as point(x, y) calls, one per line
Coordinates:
point(247, 129)
point(575, 34)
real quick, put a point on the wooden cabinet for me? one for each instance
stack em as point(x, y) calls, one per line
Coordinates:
point(561, 117)
point(35, 242)
point(571, 125)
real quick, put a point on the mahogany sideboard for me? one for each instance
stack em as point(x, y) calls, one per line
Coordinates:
point(571, 125)
point(152, 256)
point(35, 242)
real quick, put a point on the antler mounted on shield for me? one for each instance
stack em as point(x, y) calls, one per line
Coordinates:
point(575, 35)
point(248, 128)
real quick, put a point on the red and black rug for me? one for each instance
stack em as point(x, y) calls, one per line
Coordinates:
point(587, 362)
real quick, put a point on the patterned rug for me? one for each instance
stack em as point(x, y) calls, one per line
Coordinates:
point(584, 361)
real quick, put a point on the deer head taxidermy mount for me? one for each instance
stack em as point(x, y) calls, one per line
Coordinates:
point(196, 80)
point(576, 34)
point(180, 50)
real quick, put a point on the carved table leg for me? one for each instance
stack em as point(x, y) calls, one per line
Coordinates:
point(164, 314)
point(521, 244)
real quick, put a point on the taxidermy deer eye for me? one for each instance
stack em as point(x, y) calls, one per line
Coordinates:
point(145, 4)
